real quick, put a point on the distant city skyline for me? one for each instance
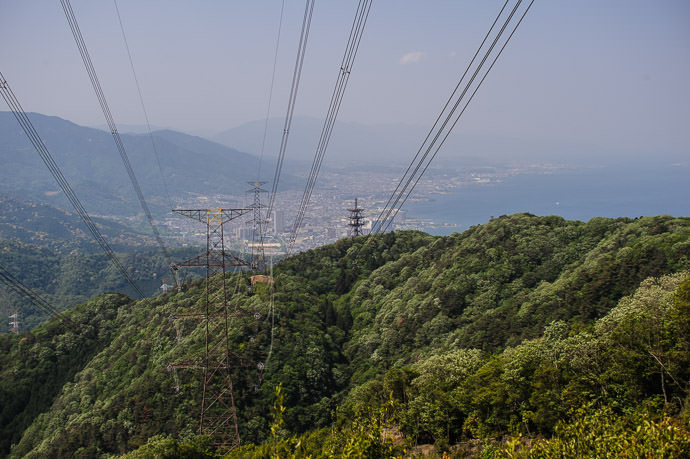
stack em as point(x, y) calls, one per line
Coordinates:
point(610, 74)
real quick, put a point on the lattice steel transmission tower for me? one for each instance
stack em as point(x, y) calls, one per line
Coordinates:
point(356, 220)
point(258, 223)
point(218, 417)
point(14, 323)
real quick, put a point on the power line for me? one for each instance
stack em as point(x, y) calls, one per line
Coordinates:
point(47, 158)
point(400, 195)
point(438, 118)
point(79, 39)
point(351, 49)
point(270, 92)
point(143, 106)
point(457, 119)
point(15, 284)
point(296, 74)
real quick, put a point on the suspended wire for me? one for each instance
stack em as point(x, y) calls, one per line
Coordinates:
point(296, 74)
point(454, 122)
point(76, 32)
point(270, 92)
point(351, 49)
point(400, 195)
point(271, 311)
point(47, 158)
point(15, 284)
point(438, 118)
point(336, 99)
point(388, 209)
point(143, 107)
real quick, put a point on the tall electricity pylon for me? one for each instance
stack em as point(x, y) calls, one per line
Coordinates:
point(14, 322)
point(258, 223)
point(356, 220)
point(218, 418)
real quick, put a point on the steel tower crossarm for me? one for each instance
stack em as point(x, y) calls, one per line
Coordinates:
point(210, 215)
point(214, 258)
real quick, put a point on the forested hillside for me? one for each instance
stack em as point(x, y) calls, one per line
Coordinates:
point(526, 327)
point(49, 251)
point(67, 276)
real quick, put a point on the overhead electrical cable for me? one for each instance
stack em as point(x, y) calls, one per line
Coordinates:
point(47, 158)
point(271, 307)
point(15, 284)
point(410, 179)
point(76, 32)
point(270, 92)
point(383, 223)
point(455, 122)
point(143, 107)
point(271, 311)
point(296, 74)
point(351, 49)
point(443, 110)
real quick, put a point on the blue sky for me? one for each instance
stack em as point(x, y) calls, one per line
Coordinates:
point(609, 73)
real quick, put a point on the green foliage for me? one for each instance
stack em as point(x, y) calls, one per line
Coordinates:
point(624, 360)
point(503, 282)
point(35, 366)
point(165, 447)
point(277, 431)
point(602, 433)
point(40, 224)
point(433, 414)
point(369, 434)
point(382, 342)
point(117, 397)
point(70, 274)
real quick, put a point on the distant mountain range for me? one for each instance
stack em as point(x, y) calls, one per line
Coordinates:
point(350, 144)
point(193, 166)
point(356, 144)
point(91, 163)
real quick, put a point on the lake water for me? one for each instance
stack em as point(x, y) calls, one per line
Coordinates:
point(628, 190)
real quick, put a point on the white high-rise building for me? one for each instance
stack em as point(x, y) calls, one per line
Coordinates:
point(278, 221)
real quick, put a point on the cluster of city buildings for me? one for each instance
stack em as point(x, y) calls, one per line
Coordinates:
point(328, 216)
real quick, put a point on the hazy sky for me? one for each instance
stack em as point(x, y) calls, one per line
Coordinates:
point(612, 73)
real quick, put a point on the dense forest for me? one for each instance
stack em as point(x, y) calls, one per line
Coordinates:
point(47, 250)
point(70, 275)
point(524, 337)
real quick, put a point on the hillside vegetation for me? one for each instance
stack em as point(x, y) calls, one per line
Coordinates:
point(49, 251)
point(66, 276)
point(481, 342)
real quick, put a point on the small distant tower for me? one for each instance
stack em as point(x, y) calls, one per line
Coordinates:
point(14, 323)
point(258, 224)
point(356, 220)
point(165, 287)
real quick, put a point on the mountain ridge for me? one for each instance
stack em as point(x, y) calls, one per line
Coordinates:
point(359, 144)
point(359, 316)
point(51, 252)
point(89, 160)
